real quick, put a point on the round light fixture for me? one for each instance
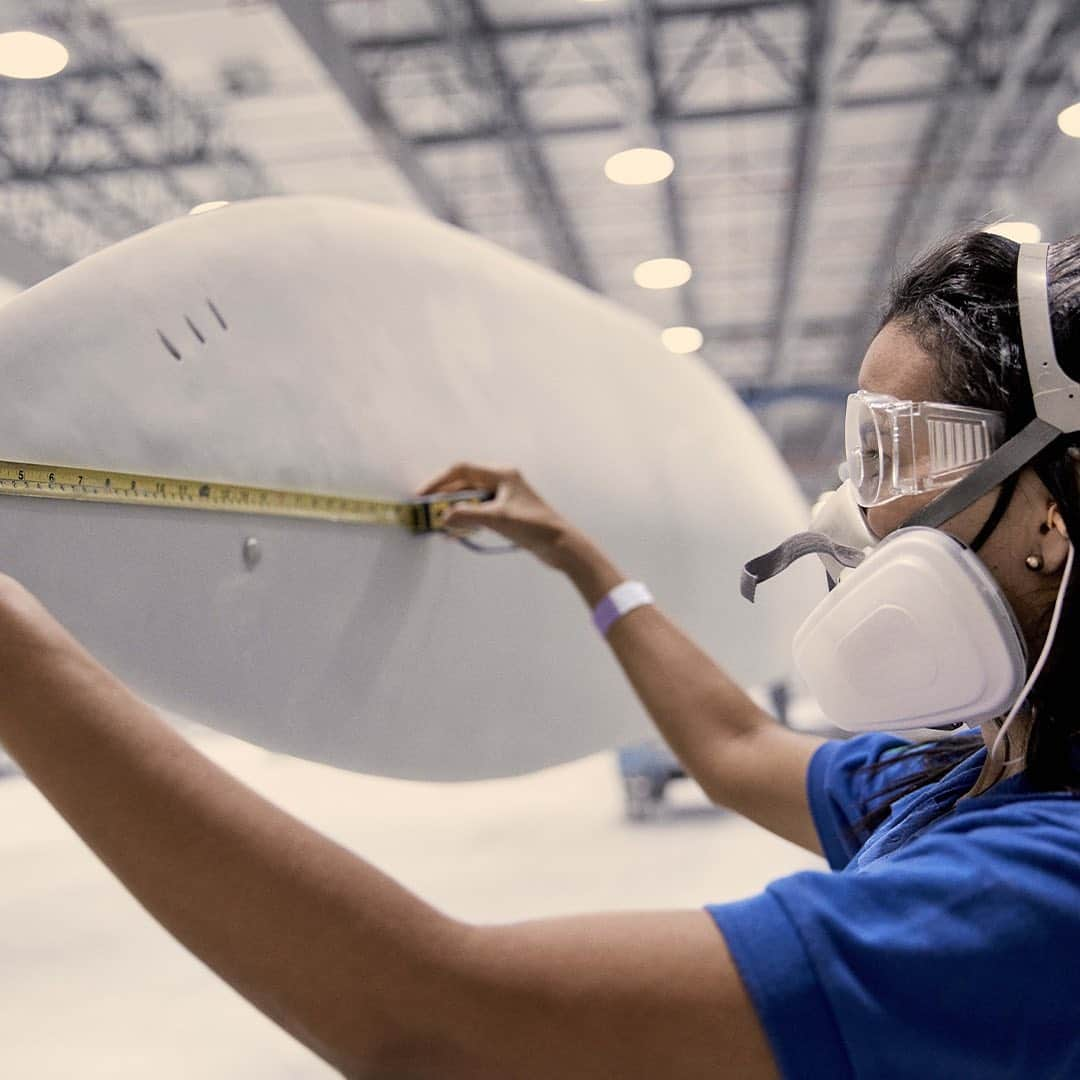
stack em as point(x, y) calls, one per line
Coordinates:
point(641, 165)
point(205, 207)
point(662, 273)
point(682, 339)
point(1023, 232)
point(1069, 120)
point(26, 55)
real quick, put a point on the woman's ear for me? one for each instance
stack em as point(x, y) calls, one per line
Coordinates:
point(1054, 540)
point(1055, 521)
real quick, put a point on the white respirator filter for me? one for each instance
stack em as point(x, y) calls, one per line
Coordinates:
point(918, 635)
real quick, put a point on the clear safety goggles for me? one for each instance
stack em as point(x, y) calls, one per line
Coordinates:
point(894, 448)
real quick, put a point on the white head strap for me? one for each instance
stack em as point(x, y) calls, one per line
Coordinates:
point(1056, 396)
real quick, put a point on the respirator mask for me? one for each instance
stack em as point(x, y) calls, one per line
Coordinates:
point(914, 631)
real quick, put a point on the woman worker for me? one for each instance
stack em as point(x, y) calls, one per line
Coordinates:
point(945, 939)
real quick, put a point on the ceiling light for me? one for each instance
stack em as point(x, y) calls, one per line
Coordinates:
point(203, 207)
point(1069, 120)
point(682, 339)
point(641, 165)
point(26, 55)
point(662, 273)
point(1023, 232)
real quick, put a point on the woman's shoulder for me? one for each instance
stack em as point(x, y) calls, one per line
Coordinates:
point(1020, 839)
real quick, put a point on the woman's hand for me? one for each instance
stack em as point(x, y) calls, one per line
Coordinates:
point(516, 511)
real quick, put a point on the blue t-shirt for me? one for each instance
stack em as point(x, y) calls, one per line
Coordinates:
point(946, 945)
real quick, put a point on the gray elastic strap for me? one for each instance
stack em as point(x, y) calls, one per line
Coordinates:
point(995, 470)
point(1056, 396)
point(795, 547)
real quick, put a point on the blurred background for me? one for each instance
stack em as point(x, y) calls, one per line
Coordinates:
point(745, 173)
point(788, 152)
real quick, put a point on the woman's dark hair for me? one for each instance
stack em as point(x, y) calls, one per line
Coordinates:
point(958, 301)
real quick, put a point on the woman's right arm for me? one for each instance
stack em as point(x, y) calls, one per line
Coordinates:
point(739, 754)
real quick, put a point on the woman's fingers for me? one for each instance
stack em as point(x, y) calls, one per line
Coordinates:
point(475, 515)
point(465, 475)
point(516, 511)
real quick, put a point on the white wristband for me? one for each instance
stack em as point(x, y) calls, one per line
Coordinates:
point(621, 599)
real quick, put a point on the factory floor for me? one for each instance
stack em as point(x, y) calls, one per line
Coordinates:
point(91, 987)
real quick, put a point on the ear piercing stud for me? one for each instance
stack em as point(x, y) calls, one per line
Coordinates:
point(1034, 562)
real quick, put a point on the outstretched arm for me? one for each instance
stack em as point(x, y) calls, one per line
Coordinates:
point(741, 757)
point(371, 978)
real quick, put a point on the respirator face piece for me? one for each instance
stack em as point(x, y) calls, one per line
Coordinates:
point(838, 515)
point(894, 448)
point(918, 635)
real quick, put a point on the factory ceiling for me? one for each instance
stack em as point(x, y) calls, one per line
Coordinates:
point(817, 143)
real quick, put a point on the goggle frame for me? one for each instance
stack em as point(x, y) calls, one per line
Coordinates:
point(895, 447)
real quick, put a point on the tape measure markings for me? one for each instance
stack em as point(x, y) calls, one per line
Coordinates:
point(423, 514)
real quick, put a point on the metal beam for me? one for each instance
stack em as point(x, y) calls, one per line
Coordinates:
point(964, 91)
point(528, 27)
point(955, 203)
point(1020, 185)
point(78, 177)
point(904, 212)
point(1040, 130)
point(91, 199)
point(310, 21)
point(1043, 164)
point(939, 25)
point(15, 173)
point(781, 63)
point(641, 20)
point(469, 31)
point(823, 60)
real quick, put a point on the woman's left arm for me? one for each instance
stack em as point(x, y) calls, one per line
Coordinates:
point(366, 974)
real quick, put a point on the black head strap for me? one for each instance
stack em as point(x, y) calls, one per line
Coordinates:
point(1001, 504)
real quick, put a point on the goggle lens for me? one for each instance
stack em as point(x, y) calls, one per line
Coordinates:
point(863, 451)
point(894, 448)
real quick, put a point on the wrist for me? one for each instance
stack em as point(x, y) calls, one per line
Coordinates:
point(625, 597)
point(587, 566)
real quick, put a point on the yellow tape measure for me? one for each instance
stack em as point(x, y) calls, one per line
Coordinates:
point(423, 514)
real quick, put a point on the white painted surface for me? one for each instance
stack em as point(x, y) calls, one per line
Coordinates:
point(365, 350)
point(91, 987)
